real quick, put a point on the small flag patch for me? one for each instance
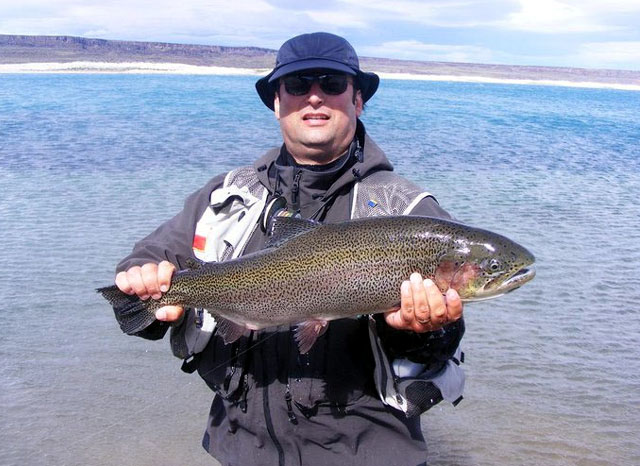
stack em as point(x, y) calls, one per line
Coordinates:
point(199, 242)
point(372, 203)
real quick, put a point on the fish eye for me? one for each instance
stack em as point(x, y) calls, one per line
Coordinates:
point(494, 265)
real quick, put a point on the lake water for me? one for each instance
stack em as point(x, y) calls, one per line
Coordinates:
point(90, 163)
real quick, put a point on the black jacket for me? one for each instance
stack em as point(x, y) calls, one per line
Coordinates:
point(275, 406)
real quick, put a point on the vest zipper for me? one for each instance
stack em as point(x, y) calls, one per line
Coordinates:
point(295, 191)
point(267, 414)
point(292, 416)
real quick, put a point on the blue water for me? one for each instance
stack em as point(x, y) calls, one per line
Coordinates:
point(90, 163)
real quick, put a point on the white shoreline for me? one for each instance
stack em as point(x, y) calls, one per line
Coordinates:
point(126, 68)
point(80, 67)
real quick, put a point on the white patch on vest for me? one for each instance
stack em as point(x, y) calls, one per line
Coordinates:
point(414, 203)
point(231, 226)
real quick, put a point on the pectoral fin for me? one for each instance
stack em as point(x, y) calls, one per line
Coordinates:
point(308, 332)
point(230, 331)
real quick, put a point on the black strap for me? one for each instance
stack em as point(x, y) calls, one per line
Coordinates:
point(190, 364)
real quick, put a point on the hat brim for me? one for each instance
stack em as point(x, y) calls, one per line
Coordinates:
point(368, 82)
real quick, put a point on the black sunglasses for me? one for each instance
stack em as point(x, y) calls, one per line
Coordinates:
point(300, 84)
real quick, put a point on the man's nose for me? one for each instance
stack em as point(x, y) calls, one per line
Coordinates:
point(315, 96)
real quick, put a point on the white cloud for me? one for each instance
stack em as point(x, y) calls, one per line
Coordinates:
point(142, 19)
point(435, 13)
point(610, 55)
point(569, 16)
point(415, 50)
point(405, 28)
point(340, 19)
point(280, 19)
point(551, 16)
point(609, 6)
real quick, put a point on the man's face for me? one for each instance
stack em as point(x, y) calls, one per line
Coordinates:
point(317, 127)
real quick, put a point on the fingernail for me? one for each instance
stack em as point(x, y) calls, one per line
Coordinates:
point(428, 282)
point(161, 314)
point(164, 288)
point(415, 277)
point(156, 296)
point(144, 297)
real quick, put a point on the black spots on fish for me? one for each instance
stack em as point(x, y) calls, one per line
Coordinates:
point(343, 266)
point(333, 271)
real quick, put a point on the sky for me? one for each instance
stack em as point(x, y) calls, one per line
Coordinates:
point(574, 33)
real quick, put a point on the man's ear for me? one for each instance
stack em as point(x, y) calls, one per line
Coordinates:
point(359, 103)
point(276, 105)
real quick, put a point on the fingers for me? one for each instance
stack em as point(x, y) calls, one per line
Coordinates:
point(170, 313)
point(150, 280)
point(122, 282)
point(454, 305)
point(402, 316)
point(406, 304)
point(423, 307)
point(437, 303)
point(149, 275)
point(165, 272)
point(421, 304)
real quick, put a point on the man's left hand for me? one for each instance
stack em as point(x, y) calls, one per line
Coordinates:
point(423, 307)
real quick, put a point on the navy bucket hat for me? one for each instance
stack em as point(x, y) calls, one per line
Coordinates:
point(318, 50)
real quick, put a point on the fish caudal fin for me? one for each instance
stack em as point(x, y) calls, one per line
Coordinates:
point(308, 332)
point(132, 313)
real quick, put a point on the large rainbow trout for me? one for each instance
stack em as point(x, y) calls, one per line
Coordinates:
point(312, 273)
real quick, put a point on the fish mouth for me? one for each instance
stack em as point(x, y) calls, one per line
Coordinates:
point(521, 277)
point(498, 287)
point(514, 282)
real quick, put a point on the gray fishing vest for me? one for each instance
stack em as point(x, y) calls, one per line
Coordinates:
point(225, 228)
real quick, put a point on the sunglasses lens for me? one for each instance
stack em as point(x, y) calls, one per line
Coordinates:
point(333, 84)
point(296, 85)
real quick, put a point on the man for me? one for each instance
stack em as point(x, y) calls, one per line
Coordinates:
point(274, 405)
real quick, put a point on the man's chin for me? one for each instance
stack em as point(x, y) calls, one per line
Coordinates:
point(317, 153)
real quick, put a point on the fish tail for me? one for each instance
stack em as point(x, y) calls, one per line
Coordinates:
point(132, 313)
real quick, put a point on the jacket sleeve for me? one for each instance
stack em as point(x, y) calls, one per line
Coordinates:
point(172, 241)
point(432, 349)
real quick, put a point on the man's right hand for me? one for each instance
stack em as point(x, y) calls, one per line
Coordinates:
point(150, 281)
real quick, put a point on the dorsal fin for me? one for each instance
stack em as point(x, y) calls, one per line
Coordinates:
point(193, 264)
point(282, 229)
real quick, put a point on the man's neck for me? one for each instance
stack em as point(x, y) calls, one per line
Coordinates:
point(316, 167)
point(322, 159)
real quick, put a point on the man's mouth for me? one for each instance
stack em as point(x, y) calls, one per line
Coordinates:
point(315, 116)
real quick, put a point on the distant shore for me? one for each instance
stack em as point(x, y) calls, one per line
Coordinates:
point(80, 67)
point(68, 54)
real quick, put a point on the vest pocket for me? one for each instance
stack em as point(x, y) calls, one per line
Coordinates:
point(336, 373)
point(223, 366)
